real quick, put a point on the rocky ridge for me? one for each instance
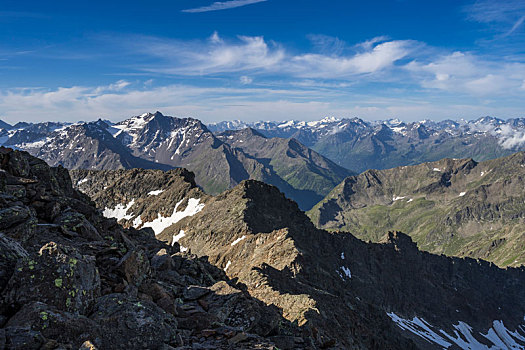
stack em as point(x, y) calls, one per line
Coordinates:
point(457, 207)
point(341, 291)
point(70, 278)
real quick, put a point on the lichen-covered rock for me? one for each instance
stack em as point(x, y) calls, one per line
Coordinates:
point(63, 327)
point(134, 324)
point(76, 224)
point(58, 275)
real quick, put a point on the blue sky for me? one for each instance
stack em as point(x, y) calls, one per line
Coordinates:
point(261, 59)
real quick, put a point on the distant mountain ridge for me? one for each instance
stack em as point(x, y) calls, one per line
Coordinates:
point(361, 145)
point(156, 141)
point(457, 207)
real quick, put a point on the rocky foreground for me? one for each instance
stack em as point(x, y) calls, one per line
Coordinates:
point(339, 291)
point(72, 279)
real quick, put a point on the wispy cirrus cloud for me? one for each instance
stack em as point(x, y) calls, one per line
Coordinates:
point(256, 55)
point(505, 16)
point(333, 62)
point(223, 5)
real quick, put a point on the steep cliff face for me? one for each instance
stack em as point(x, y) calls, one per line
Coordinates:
point(454, 207)
point(339, 290)
point(70, 278)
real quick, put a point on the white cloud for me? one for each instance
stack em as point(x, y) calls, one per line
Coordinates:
point(222, 5)
point(216, 104)
point(378, 58)
point(117, 86)
point(470, 74)
point(213, 56)
point(255, 54)
point(245, 80)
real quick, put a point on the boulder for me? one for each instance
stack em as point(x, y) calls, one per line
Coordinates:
point(10, 252)
point(133, 324)
point(77, 224)
point(61, 326)
point(135, 266)
point(58, 275)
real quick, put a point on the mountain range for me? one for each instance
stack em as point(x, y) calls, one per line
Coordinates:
point(457, 207)
point(340, 291)
point(361, 145)
point(305, 160)
point(155, 141)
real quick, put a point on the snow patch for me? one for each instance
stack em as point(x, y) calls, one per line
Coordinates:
point(343, 255)
point(155, 193)
point(137, 222)
point(82, 181)
point(237, 240)
point(160, 223)
point(119, 212)
point(396, 198)
point(227, 265)
point(420, 328)
point(347, 272)
point(437, 169)
point(177, 237)
point(463, 337)
point(462, 194)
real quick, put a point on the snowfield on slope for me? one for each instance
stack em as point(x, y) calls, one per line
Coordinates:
point(464, 337)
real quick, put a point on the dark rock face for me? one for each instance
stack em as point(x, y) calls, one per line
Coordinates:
point(70, 278)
